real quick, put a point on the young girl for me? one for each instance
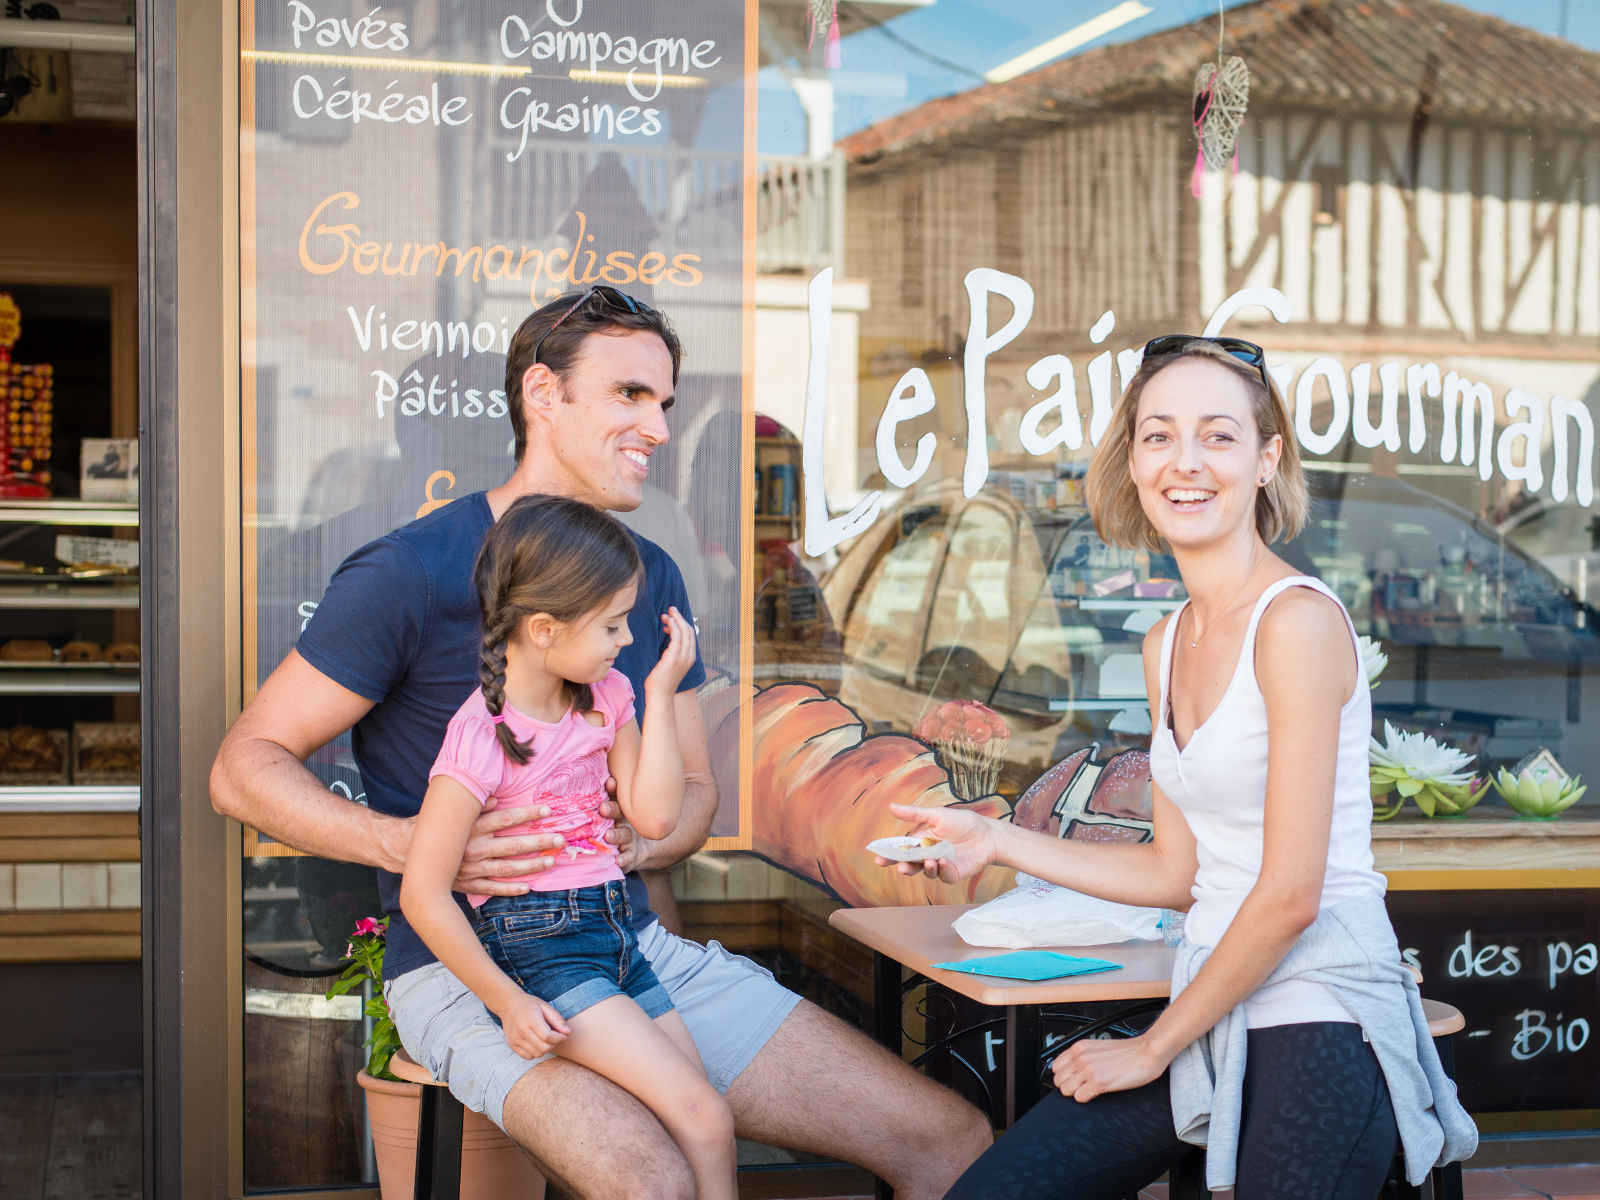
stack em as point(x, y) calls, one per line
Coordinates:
point(560, 966)
point(1294, 1049)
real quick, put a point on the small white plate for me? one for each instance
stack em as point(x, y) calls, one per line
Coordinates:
point(902, 848)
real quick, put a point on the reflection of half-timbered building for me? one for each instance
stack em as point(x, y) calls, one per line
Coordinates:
point(1421, 183)
point(1413, 232)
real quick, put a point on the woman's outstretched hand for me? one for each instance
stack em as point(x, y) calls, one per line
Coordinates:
point(1094, 1066)
point(971, 838)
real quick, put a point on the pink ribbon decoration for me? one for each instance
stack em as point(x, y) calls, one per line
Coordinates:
point(832, 55)
point(1202, 104)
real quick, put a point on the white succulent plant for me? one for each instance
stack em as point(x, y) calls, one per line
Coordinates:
point(1415, 767)
point(1373, 659)
point(1539, 794)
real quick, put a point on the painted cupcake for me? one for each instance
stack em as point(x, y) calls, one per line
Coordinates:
point(971, 741)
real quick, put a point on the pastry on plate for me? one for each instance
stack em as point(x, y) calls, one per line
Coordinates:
point(909, 848)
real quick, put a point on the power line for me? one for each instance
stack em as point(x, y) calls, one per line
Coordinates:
point(950, 64)
point(910, 46)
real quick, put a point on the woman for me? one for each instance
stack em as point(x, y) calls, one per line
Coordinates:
point(1294, 1047)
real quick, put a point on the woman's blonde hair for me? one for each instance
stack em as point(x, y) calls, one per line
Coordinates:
point(1113, 499)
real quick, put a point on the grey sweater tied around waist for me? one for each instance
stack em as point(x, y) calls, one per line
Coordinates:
point(1351, 949)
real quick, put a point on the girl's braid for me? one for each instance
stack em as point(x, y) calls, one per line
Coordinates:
point(582, 697)
point(492, 677)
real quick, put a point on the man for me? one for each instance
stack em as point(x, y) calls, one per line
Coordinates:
point(392, 651)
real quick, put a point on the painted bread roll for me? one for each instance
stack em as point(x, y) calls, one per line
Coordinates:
point(1035, 809)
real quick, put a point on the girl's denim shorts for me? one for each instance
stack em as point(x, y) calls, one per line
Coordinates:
point(571, 948)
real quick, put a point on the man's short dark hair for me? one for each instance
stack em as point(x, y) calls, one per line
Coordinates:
point(560, 348)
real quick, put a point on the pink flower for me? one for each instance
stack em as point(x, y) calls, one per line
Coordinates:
point(369, 925)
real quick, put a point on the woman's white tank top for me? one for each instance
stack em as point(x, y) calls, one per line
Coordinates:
point(1219, 782)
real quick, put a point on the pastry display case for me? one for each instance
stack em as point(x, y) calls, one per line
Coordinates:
point(69, 566)
point(73, 657)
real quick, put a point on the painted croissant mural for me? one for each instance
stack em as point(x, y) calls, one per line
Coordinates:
point(824, 786)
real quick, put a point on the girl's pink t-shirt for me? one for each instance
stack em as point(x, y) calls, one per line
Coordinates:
point(567, 772)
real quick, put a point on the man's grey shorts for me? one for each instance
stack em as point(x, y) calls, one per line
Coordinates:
point(731, 1006)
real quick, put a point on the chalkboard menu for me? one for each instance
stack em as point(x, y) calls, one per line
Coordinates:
point(1521, 967)
point(415, 180)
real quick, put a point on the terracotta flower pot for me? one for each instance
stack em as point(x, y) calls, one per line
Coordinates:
point(492, 1168)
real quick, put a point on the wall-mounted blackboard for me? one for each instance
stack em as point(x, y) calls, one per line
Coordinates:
point(1520, 965)
point(1522, 968)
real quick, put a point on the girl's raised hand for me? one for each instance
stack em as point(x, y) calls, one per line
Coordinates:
point(971, 839)
point(676, 659)
point(532, 1027)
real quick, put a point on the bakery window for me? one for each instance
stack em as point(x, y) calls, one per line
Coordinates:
point(69, 559)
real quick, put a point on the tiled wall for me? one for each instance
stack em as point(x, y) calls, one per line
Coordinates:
point(49, 886)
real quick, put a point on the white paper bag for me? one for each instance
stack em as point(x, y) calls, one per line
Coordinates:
point(1036, 913)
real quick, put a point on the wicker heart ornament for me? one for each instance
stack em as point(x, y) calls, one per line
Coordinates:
point(1221, 95)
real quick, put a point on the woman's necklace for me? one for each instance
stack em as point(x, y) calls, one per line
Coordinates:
point(1233, 602)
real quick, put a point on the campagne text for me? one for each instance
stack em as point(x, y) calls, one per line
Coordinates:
point(643, 66)
point(1468, 433)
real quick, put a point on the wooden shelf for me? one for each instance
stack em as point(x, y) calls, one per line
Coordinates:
point(70, 935)
point(1489, 841)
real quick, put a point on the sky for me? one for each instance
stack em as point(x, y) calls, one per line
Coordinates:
point(946, 46)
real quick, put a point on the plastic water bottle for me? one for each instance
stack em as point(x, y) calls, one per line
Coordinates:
point(1172, 926)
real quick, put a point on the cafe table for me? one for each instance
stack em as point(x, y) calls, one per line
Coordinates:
point(917, 936)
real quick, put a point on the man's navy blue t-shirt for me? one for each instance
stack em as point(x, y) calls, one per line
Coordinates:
point(400, 625)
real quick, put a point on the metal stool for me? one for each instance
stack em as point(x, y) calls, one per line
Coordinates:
point(1443, 1183)
point(439, 1120)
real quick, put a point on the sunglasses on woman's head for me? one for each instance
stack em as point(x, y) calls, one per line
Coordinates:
point(1246, 352)
point(614, 298)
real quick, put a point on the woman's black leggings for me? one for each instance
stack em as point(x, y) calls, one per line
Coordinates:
point(1317, 1125)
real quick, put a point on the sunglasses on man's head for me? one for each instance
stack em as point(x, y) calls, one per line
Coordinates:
point(614, 298)
point(1246, 352)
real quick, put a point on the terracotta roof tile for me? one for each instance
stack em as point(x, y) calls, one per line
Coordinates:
point(1362, 55)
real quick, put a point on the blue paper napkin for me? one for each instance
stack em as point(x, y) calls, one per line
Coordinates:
point(1030, 964)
